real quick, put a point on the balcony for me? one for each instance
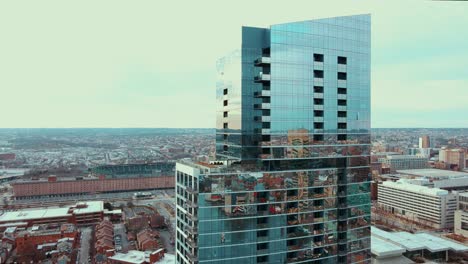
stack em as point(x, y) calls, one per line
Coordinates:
point(342, 120)
point(342, 108)
point(341, 67)
point(192, 257)
point(191, 190)
point(192, 204)
point(262, 131)
point(318, 131)
point(318, 65)
point(191, 216)
point(262, 118)
point(318, 95)
point(262, 77)
point(318, 119)
point(191, 229)
point(342, 96)
point(318, 107)
point(318, 81)
point(192, 243)
point(342, 130)
point(262, 61)
point(341, 83)
point(262, 106)
point(263, 93)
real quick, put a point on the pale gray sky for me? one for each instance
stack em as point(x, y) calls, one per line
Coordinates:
point(152, 63)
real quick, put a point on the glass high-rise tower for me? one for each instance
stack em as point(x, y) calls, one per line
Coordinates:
point(291, 182)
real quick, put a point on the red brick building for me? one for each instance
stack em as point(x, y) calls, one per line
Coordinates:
point(146, 240)
point(104, 237)
point(43, 234)
point(82, 213)
point(57, 186)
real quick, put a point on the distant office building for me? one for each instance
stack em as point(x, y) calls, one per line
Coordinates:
point(453, 159)
point(431, 207)
point(461, 215)
point(443, 179)
point(404, 162)
point(292, 180)
point(424, 142)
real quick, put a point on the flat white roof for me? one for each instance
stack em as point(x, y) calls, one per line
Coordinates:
point(403, 185)
point(51, 212)
point(138, 257)
point(412, 242)
point(434, 173)
point(91, 207)
point(30, 214)
point(382, 248)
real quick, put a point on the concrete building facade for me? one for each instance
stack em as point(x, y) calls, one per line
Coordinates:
point(431, 207)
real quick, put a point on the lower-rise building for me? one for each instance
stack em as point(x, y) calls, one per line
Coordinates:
point(461, 215)
point(430, 207)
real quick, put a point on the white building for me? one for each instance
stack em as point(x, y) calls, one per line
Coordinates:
point(432, 207)
point(404, 162)
point(461, 215)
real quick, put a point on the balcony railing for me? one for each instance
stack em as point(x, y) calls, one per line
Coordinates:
point(263, 93)
point(318, 107)
point(192, 257)
point(342, 83)
point(318, 95)
point(262, 106)
point(318, 119)
point(262, 118)
point(342, 120)
point(262, 131)
point(341, 67)
point(342, 96)
point(191, 190)
point(192, 204)
point(342, 108)
point(262, 61)
point(262, 77)
point(191, 229)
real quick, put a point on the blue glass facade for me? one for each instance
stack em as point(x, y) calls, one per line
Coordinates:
point(293, 128)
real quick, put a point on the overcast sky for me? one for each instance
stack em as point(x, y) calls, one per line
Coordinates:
point(152, 63)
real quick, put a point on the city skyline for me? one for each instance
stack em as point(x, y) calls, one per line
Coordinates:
point(64, 66)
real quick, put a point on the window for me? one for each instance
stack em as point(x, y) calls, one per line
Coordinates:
point(225, 103)
point(225, 91)
point(225, 136)
point(318, 101)
point(342, 60)
point(342, 91)
point(225, 147)
point(318, 113)
point(225, 114)
point(342, 76)
point(342, 114)
point(342, 102)
point(318, 137)
point(342, 137)
point(318, 74)
point(225, 125)
point(318, 57)
point(318, 125)
point(341, 125)
point(318, 89)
